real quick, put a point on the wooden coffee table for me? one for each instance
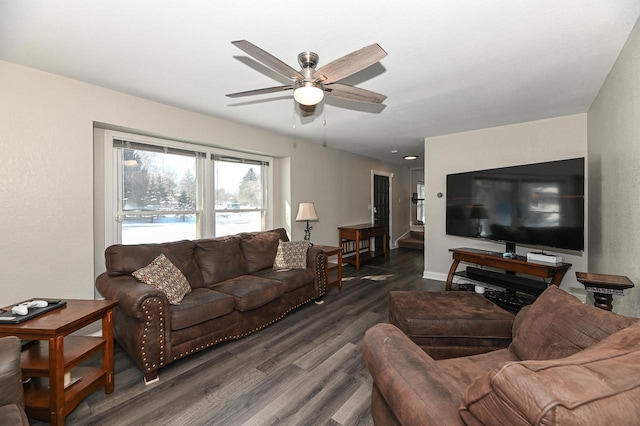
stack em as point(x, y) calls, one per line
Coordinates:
point(45, 362)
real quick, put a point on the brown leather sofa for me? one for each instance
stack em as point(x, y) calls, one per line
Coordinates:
point(11, 397)
point(235, 292)
point(568, 364)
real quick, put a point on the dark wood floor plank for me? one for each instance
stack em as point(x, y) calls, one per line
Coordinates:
point(305, 369)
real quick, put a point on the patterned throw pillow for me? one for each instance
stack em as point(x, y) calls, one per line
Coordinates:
point(291, 255)
point(166, 277)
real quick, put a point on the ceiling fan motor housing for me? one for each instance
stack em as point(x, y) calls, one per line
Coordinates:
point(308, 59)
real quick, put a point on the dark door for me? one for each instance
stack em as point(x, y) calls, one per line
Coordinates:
point(381, 205)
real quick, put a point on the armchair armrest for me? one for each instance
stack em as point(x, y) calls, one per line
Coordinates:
point(10, 373)
point(410, 381)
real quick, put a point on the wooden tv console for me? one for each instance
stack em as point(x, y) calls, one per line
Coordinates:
point(511, 266)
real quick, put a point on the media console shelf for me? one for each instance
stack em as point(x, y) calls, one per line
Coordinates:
point(510, 267)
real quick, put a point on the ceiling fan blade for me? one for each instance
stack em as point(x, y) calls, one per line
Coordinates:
point(349, 64)
point(353, 93)
point(268, 59)
point(260, 91)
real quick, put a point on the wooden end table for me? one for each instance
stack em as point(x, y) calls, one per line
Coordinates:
point(604, 287)
point(331, 251)
point(56, 353)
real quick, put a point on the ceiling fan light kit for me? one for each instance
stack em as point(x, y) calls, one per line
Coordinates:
point(308, 93)
point(310, 85)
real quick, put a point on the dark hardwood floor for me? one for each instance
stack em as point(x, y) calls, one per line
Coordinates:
point(306, 369)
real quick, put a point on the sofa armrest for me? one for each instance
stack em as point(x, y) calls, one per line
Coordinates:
point(10, 373)
point(130, 292)
point(142, 323)
point(315, 260)
point(413, 386)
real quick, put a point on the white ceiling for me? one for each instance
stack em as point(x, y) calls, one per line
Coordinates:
point(451, 66)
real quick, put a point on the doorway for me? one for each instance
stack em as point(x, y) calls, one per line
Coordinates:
point(381, 211)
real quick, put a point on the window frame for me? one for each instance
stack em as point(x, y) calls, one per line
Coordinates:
point(205, 184)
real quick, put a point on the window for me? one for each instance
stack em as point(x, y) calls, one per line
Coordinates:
point(239, 195)
point(420, 213)
point(168, 191)
point(157, 193)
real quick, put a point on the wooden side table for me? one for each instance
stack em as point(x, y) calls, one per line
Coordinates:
point(45, 362)
point(331, 251)
point(604, 287)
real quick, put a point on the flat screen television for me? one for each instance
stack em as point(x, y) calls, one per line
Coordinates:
point(538, 204)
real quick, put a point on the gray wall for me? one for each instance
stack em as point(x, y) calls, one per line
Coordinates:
point(614, 175)
point(532, 142)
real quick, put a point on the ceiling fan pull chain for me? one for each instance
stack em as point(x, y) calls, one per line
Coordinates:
point(324, 115)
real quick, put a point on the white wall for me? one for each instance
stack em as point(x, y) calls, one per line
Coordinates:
point(532, 142)
point(46, 178)
point(614, 175)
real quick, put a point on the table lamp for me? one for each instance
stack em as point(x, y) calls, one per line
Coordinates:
point(307, 211)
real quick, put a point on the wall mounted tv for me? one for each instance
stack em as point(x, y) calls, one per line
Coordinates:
point(538, 204)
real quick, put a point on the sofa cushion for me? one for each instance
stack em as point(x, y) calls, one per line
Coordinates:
point(220, 259)
point(464, 370)
point(291, 255)
point(121, 259)
point(250, 292)
point(166, 277)
point(259, 248)
point(291, 279)
point(598, 385)
point(557, 325)
point(201, 305)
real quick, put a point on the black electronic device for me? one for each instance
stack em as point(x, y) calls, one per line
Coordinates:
point(509, 301)
point(538, 204)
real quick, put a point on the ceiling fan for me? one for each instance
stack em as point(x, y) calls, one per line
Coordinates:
point(310, 85)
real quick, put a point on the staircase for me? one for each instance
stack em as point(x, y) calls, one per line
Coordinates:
point(415, 240)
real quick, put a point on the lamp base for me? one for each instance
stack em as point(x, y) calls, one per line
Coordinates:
point(307, 232)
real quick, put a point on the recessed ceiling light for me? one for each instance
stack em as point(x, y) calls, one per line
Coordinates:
point(394, 151)
point(410, 157)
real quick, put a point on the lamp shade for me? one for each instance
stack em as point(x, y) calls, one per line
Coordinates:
point(306, 211)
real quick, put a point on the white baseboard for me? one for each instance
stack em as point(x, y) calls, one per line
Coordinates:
point(438, 276)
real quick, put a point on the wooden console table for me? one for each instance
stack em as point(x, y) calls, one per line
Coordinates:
point(495, 260)
point(356, 238)
point(53, 353)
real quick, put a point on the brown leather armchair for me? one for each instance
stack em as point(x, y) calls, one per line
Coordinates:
point(11, 397)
